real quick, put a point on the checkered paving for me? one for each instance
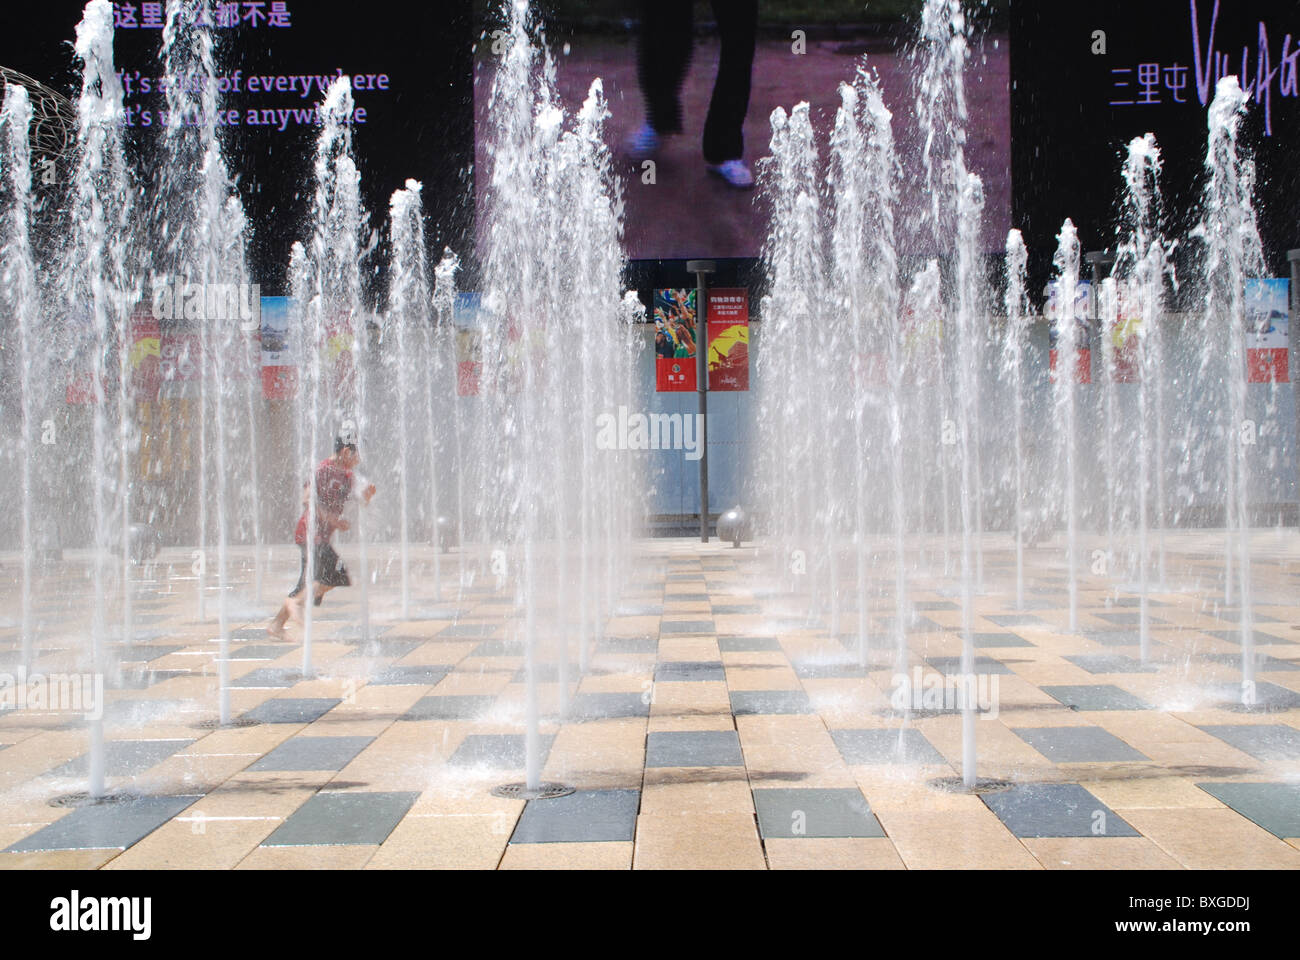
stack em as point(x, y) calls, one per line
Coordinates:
point(719, 723)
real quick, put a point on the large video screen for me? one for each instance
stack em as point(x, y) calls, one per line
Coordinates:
point(692, 85)
point(410, 71)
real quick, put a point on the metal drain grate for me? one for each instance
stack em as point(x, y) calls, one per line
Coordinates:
point(521, 791)
point(982, 785)
point(86, 800)
point(218, 725)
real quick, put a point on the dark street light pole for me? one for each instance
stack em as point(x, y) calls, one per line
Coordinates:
point(702, 269)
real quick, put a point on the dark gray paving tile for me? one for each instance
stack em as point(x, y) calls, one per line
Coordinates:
point(999, 640)
point(1056, 810)
point(871, 746)
point(734, 609)
point(506, 751)
point(1078, 744)
point(143, 653)
point(629, 645)
point(1261, 639)
point(1099, 696)
point(1273, 806)
point(384, 647)
point(498, 648)
point(269, 677)
point(545, 673)
point(141, 678)
point(639, 610)
point(585, 816)
point(130, 710)
point(1234, 616)
point(951, 666)
point(914, 625)
point(1109, 663)
point(811, 812)
point(105, 826)
point(449, 708)
point(313, 753)
point(299, 710)
point(343, 818)
point(1263, 662)
point(1128, 619)
point(124, 758)
point(686, 626)
point(694, 748)
point(261, 651)
point(462, 631)
point(935, 605)
point(828, 671)
point(1114, 638)
point(745, 702)
point(1271, 695)
point(248, 633)
point(1134, 602)
point(401, 675)
point(352, 632)
point(748, 644)
point(1263, 741)
point(603, 706)
point(673, 671)
point(1016, 620)
point(685, 597)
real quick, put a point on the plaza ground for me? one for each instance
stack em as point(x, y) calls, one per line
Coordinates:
point(717, 726)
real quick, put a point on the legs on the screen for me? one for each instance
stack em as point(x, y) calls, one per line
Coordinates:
point(723, 130)
point(663, 53)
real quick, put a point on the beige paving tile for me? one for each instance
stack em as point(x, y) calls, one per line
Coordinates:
point(714, 841)
point(818, 853)
point(446, 842)
point(672, 791)
point(568, 856)
point(1150, 792)
point(691, 698)
point(341, 857)
point(1205, 839)
point(951, 839)
point(1099, 853)
point(57, 860)
point(192, 842)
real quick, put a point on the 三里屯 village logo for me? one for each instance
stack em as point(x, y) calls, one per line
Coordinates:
point(75, 913)
point(53, 693)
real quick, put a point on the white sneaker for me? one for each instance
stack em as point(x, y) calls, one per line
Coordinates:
point(734, 172)
point(643, 144)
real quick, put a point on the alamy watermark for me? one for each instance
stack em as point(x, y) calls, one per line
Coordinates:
point(651, 431)
point(53, 693)
point(208, 301)
point(935, 691)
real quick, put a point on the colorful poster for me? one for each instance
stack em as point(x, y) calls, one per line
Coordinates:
point(728, 316)
point(675, 363)
point(1081, 311)
point(1267, 330)
point(279, 360)
point(466, 315)
point(145, 358)
point(1125, 339)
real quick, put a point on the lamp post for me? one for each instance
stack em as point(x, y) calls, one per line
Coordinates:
point(702, 269)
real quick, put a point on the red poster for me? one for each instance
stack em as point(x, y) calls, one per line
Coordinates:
point(279, 383)
point(728, 314)
point(673, 373)
point(468, 373)
point(675, 319)
point(145, 358)
point(1082, 366)
point(1268, 365)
